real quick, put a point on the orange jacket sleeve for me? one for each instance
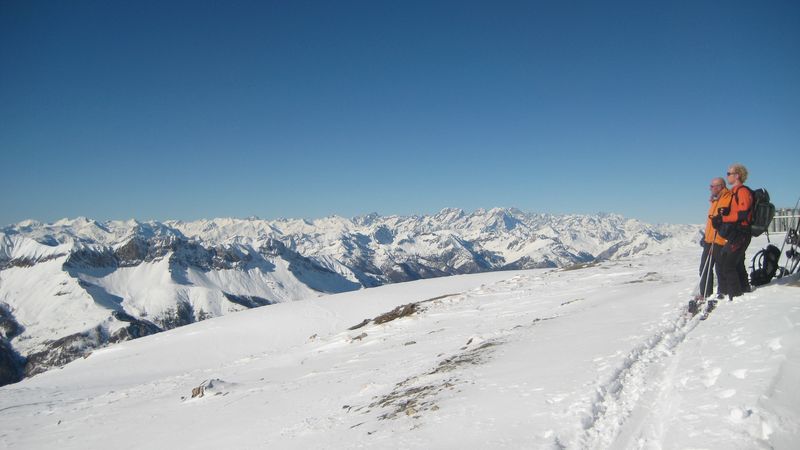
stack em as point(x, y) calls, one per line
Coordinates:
point(741, 202)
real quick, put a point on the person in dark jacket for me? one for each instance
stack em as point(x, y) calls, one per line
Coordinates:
point(733, 224)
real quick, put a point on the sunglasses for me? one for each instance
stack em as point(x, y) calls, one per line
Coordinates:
point(732, 173)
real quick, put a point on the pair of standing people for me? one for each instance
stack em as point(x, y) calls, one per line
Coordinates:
point(727, 236)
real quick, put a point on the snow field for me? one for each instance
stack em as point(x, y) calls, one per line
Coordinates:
point(599, 357)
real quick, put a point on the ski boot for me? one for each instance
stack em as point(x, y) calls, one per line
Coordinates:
point(695, 304)
point(710, 305)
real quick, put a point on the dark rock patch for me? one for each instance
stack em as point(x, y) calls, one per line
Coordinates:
point(182, 314)
point(12, 365)
point(397, 313)
point(137, 328)
point(64, 350)
point(248, 301)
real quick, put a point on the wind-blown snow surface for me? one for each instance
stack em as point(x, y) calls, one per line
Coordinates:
point(598, 357)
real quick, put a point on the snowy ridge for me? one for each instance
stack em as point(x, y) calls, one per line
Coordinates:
point(507, 235)
point(600, 356)
point(78, 284)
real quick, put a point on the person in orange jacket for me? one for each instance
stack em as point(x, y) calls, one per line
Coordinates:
point(733, 224)
point(712, 241)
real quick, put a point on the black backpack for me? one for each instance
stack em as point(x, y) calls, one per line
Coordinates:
point(761, 211)
point(767, 260)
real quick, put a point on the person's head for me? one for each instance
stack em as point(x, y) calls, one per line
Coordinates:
point(717, 184)
point(737, 174)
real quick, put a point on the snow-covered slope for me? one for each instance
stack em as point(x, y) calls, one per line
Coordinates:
point(75, 285)
point(600, 356)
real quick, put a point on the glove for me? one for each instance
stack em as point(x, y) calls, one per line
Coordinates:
point(724, 211)
point(716, 222)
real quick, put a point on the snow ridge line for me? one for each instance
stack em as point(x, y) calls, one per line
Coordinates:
point(615, 399)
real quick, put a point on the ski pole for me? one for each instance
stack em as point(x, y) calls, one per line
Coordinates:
point(711, 258)
point(706, 266)
point(786, 238)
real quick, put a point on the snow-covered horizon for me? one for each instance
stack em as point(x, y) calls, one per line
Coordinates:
point(602, 356)
point(133, 221)
point(453, 212)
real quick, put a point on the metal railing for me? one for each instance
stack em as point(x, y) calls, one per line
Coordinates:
point(785, 218)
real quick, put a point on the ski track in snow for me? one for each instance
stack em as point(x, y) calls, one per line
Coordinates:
point(639, 385)
point(629, 409)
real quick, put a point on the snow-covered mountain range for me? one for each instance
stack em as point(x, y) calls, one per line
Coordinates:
point(75, 285)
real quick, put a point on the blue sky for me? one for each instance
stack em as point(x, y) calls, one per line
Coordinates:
point(199, 109)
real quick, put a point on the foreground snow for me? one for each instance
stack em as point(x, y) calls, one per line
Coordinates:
point(597, 357)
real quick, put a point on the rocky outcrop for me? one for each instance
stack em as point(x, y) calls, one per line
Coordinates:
point(12, 365)
point(91, 257)
point(64, 350)
point(248, 301)
point(182, 314)
point(57, 353)
point(9, 328)
point(181, 252)
point(137, 328)
point(134, 252)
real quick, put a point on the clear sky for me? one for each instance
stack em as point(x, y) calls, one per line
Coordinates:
point(200, 109)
